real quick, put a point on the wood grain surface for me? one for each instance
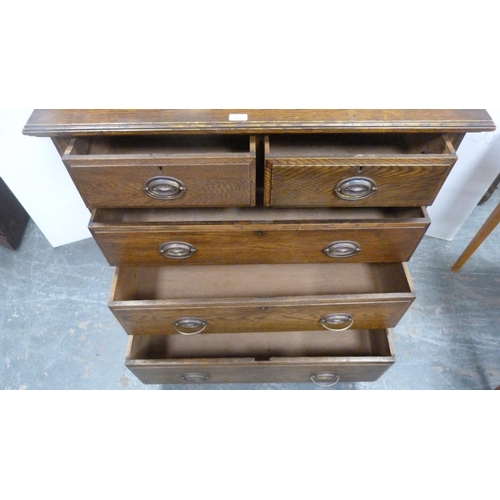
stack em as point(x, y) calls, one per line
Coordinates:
point(53, 122)
point(235, 299)
point(265, 236)
point(355, 355)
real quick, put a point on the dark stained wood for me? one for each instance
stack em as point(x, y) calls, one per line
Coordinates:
point(259, 276)
point(312, 184)
point(13, 218)
point(355, 355)
point(307, 175)
point(55, 122)
point(61, 143)
point(110, 178)
point(262, 281)
point(349, 145)
point(255, 315)
point(257, 236)
point(359, 343)
point(234, 299)
point(212, 183)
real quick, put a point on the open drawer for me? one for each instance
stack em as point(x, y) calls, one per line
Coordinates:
point(182, 237)
point(163, 170)
point(361, 170)
point(284, 297)
point(324, 358)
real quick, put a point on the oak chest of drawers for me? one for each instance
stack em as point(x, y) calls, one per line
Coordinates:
point(258, 245)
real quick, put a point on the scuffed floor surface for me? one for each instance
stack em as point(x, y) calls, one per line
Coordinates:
point(56, 331)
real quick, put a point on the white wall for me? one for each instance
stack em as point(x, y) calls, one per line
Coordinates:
point(33, 170)
point(477, 167)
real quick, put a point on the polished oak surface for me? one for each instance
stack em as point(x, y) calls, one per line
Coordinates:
point(260, 357)
point(266, 301)
point(149, 300)
point(57, 122)
point(258, 236)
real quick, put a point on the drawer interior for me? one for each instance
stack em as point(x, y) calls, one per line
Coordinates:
point(162, 144)
point(258, 280)
point(309, 145)
point(262, 346)
point(188, 216)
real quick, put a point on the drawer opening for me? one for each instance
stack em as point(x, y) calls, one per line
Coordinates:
point(163, 145)
point(263, 346)
point(309, 145)
point(252, 216)
point(259, 281)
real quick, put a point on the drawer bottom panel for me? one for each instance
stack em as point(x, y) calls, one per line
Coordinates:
point(324, 358)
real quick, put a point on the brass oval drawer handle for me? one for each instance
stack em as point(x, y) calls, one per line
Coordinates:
point(190, 326)
point(177, 250)
point(341, 249)
point(334, 322)
point(325, 379)
point(194, 377)
point(164, 188)
point(355, 188)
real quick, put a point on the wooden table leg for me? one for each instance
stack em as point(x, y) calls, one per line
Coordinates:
point(480, 236)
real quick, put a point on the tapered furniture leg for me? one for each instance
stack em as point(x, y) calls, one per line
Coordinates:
point(480, 236)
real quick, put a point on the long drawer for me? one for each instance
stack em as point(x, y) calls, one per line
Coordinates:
point(163, 171)
point(251, 236)
point(255, 298)
point(345, 170)
point(321, 357)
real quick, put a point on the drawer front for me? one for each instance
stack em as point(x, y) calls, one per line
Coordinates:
point(129, 238)
point(258, 372)
point(348, 170)
point(326, 183)
point(163, 171)
point(264, 315)
point(158, 248)
point(223, 183)
point(263, 358)
point(224, 299)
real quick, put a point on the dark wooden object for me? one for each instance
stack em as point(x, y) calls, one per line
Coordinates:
point(407, 170)
point(76, 122)
point(260, 357)
point(259, 245)
point(234, 299)
point(258, 236)
point(215, 175)
point(13, 218)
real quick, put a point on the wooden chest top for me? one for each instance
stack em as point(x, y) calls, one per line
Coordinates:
point(54, 122)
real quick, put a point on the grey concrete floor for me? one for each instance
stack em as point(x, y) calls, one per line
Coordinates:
point(56, 331)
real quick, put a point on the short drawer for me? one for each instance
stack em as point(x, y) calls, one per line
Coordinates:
point(343, 170)
point(255, 298)
point(318, 357)
point(163, 171)
point(180, 237)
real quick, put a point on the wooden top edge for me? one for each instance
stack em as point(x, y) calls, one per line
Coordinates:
point(127, 121)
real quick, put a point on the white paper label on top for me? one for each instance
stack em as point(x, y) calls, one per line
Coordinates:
point(238, 117)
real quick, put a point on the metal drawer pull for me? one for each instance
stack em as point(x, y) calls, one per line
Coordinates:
point(185, 326)
point(355, 188)
point(194, 377)
point(177, 250)
point(164, 188)
point(325, 379)
point(341, 249)
point(332, 320)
